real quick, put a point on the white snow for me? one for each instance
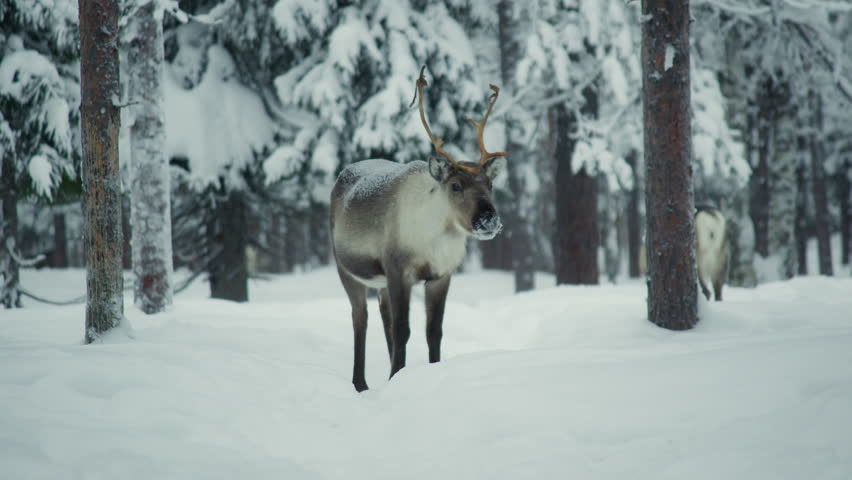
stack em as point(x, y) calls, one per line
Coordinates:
point(567, 382)
point(217, 124)
point(41, 173)
point(670, 56)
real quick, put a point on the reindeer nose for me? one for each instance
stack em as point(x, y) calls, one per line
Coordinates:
point(486, 222)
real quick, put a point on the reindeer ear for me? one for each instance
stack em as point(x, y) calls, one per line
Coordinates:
point(439, 168)
point(494, 166)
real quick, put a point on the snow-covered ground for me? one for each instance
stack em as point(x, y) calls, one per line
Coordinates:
point(568, 382)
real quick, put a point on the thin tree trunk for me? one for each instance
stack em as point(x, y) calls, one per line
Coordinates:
point(516, 215)
point(782, 182)
point(822, 219)
point(801, 231)
point(10, 295)
point(60, 241)
point(844, 193)
point(228, 270)
point(759, 202)
point(634, 233)
point(669, 203)
point(150, 194)
point(126, 233)
point(99, 82)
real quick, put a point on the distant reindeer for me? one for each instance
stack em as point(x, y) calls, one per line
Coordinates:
point(711, 248)
point(394, 225)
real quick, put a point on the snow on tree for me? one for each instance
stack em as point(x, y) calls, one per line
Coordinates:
point(580, 63)
point(150, 182)
point(772, 55)
point(354, 92)
point(38, 141)
point(219, 130)
point(100, 122)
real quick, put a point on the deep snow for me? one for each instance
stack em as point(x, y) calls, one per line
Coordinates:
point(568, 382)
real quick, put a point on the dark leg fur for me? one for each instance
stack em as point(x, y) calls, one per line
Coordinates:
point(357, 294)
point(436, 298)
point(399, 293)
point(384, 308)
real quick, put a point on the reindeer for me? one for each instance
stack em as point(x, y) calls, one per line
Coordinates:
point(394, 225)
point(711, 245)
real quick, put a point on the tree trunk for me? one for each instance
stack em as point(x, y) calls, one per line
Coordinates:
point(576, 241)
point(228, 270)
point(844, 193)
point(801, 231)
point(760, 175)
point(60, 241)
point(782, 182)
point(518, 211)
point(10, 295)
point(634, 233)
point(100, 120)
point(127, 233)
point(150, 194)
point(822, 219)
point(669, 203)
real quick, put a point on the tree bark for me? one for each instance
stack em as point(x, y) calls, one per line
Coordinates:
point(150, 194)
point(669, 203)
point(634, 233)
point(10, 294)
point(60, 241)
point(100, 120)
point(801, 231)
point(577, 236)
point(822, 219)
point(515, 212)
point(760, 195)
point(228, 270)
point(844, 193)
point(782, 182)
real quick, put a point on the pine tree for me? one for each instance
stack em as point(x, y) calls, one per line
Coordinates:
point(37, 119)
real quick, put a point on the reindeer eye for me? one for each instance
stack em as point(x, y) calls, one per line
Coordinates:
point(456, 187)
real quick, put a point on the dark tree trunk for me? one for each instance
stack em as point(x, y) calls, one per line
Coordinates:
point(126, 233)
point(60, 241)
point(228, 269)
point(517, 221)
point(844, 193)
point(497, 253)
point(99, 85)
point(669, 204)
point(822, 219)
point(801, 231)
point(634, 233)
point(577, 237)
point(760, 186)
point(10, 295)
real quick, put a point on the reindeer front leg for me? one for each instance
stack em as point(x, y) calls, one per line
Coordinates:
point(399, 294)
point(436, 298)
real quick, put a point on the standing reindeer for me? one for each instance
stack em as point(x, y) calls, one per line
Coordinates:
point(394, 225)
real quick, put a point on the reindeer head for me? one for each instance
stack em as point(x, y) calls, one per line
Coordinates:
point(467, 184)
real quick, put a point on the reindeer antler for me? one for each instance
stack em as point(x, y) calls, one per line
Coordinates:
point(438, 143)
point(485, 155)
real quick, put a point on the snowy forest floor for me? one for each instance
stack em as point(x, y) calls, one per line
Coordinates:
point(567, 382)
